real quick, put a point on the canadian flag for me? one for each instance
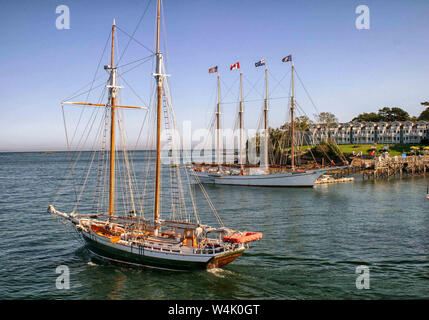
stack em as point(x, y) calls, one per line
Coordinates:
point(235, 66)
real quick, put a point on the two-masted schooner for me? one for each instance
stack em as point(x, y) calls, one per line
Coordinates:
point(224, 174)
point(130, 238)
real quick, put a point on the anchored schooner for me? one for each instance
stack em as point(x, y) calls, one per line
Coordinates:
point(264, 176)
point(129, 237)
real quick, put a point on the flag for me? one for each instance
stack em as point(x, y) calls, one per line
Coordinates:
point(235, 66)
point(213, 70)
point(288, 58)
point(260, 63)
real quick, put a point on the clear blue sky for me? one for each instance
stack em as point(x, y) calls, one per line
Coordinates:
point(347, 71)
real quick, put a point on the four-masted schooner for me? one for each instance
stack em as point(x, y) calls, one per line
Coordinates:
point(224, 174)
point(130, 239)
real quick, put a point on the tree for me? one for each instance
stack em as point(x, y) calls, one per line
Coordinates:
point(424, 115)
point(384, 114)
point(393, 114)
point(327, 149)
point(302, 123)
point(367, 117)
point(327, 118)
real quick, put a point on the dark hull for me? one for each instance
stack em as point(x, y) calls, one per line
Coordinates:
point(138, 259)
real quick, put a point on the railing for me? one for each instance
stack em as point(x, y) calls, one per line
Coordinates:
point(150, 246)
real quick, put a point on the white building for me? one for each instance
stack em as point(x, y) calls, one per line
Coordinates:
point(370, 132)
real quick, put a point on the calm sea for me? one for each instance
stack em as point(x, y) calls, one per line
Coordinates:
point(314, 239)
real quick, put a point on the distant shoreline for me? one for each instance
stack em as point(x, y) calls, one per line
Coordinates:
point(58, 151)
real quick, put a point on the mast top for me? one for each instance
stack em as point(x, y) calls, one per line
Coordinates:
point(114, 22)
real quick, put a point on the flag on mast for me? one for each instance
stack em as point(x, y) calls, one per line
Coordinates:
point(235, 66)
point(287, 58)
point(213, 70)
point(260, 63)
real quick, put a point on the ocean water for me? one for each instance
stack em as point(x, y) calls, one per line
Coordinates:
point(314, 239)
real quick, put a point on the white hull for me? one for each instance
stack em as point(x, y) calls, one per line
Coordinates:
point(290, 179)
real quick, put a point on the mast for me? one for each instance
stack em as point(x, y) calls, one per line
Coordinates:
point(112, 127)
point(292, 107)
point(218, 123)
point(240, 114)
point(266, 164)
point(158, 78)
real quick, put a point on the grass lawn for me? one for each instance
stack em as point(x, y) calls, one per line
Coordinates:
point(394, 149)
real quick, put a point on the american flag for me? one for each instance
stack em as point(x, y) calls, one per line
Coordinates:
point(235, 66)
point(213, 70)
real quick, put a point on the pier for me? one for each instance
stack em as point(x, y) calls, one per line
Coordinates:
point(384, 167)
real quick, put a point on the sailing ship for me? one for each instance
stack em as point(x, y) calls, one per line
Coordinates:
point(264, 175)
point(130, 238)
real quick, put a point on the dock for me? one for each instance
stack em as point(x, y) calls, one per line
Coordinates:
point(385, 167)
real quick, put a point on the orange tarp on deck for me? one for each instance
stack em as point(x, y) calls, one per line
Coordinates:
point(243, 237)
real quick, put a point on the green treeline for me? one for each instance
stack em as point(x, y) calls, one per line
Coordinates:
point(392, 114)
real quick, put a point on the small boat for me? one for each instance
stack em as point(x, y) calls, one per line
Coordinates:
point(327, 178)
